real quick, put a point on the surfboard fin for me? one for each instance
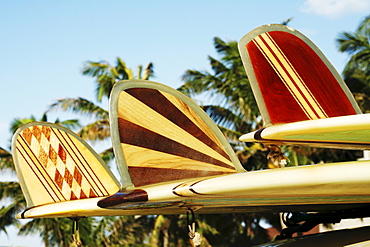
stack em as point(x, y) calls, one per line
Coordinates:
point(302, 98)
point(53, 165)
point(291, 78)
point(160, 135)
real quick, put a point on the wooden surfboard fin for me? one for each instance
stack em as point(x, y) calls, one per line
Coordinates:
point(160, 135)
point(291, 78)
point(53, 164)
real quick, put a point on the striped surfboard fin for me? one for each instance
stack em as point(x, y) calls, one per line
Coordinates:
point(53, 164)
point(291, 79)
point(160, 135)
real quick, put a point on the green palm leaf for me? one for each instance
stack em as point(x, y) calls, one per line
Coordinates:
point(81, 106)
point(98, 130)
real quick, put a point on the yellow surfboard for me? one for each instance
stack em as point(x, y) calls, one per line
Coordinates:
point(165, 173)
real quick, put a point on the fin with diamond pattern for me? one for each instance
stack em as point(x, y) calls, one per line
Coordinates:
point(53, 164)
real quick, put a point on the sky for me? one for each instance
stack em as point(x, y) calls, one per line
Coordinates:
point(44, 44)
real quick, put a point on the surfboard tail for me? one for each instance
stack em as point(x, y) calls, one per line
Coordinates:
point(160, 135)
point(291, 78)
point(53, 165)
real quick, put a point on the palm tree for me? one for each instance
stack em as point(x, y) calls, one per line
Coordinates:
point(95, 131)
point(121, 231)
point(106, 76)
point(228, 75)
point(235, 109)
point(357, 70)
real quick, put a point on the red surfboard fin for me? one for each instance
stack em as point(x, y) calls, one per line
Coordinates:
point(291, 78)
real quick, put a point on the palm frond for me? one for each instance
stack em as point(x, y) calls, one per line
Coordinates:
point(18, 122)
point(94, 69)
point(123, 73)
point(149, 71)
point(107, 155)
point(8, 213)
point(6, 160)
point(357, 70)
point(352, 42)
point(364, 27)
point(11, 191)
point(53, 231)
point(98, 130)
point(81, 106)
point(286, 22)
point(70, 123)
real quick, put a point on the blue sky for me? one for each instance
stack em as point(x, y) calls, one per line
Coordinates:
point(43, 44)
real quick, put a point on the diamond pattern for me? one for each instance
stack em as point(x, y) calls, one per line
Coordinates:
point(58, 162)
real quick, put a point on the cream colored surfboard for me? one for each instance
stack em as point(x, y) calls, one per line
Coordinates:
point(345, 132)
point(221, 188)
point(316, 188)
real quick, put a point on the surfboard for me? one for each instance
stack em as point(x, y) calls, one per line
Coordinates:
point(315, 188)
point(345, 132)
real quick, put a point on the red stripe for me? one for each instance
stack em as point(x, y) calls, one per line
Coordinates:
point(158, 175)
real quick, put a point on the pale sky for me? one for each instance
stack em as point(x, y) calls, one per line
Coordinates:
point(43, 44)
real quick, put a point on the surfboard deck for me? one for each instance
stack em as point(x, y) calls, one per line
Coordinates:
point(346, 132)
point(321, 188)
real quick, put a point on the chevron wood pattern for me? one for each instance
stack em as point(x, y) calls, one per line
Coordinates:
point(163, 139)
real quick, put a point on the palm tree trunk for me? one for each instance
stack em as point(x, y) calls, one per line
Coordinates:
point(165, 237)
